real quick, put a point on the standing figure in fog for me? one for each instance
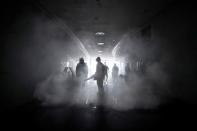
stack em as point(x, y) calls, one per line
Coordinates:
point(99, 75)
point(69, 73)
point(127, 71)
point(106, 71)
point(81, 71)
point(115, 72)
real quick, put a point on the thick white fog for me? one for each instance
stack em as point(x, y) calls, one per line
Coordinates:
point(47, 44)
point(147, 90)
point(140, 92)
point(38, 45)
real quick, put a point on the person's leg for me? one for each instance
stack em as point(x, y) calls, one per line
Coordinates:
point(100, 85)
point(100, 100)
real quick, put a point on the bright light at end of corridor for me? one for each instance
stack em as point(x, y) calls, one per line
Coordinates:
point(109, 61)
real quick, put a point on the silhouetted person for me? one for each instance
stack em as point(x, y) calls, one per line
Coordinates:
point(69, 72)
point(81, 71)
point(127, 71)
point(115, 72)
point(106, 71)
point(99, 75)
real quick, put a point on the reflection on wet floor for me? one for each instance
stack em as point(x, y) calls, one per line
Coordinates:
point(85, 108)
point(73, 117)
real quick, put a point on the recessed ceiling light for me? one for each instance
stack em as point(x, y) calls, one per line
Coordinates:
point(100, 51)
point(100, 33)
point(100, 43)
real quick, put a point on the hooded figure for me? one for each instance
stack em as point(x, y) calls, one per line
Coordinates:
point(81, 70)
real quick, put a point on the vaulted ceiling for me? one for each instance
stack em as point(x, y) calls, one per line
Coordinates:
point(113, 17)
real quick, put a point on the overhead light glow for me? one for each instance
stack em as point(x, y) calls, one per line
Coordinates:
point(100, 51)
point(100, 43)
point(100, 33)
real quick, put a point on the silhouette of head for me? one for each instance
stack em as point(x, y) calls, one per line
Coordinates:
point(81, 60)
point(98, 59)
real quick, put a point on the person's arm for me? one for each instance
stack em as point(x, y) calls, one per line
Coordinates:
point(91, 77)
point(77, 68)
point(86, 70)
